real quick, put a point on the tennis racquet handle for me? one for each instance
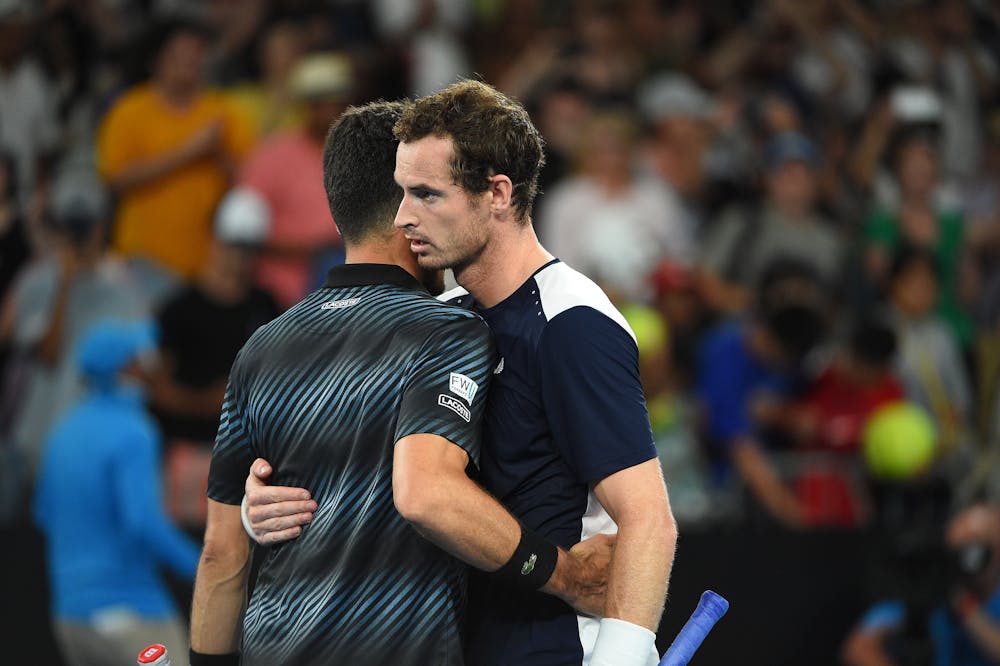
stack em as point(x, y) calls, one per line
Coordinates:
point(710, 608)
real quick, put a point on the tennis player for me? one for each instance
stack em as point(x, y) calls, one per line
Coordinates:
point(370, 392)
point(567, 443)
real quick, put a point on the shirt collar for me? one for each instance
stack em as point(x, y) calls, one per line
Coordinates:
point(357, 275)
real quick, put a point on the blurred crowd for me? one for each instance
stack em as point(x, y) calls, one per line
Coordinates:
point(796, 205)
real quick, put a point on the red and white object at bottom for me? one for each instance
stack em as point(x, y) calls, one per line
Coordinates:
point(154, 655)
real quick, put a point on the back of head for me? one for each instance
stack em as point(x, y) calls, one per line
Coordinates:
point(873, 341)
point(358, 164)
point(492, 134)
point(78, 203)
point(790, 303)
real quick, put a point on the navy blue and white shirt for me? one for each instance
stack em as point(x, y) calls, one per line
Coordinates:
point(565, 410)
point(324, 392)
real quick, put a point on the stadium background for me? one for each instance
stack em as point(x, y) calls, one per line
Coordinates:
point(677, 131)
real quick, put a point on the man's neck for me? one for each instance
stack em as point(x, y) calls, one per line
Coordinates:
point(503, 267)
point(383, 252)
point(176, 96)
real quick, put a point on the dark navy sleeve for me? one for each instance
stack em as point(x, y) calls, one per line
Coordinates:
point(232, 454)
point(589, 373)
point(445, 393)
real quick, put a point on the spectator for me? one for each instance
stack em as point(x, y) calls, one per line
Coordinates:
point(203, 327)
point(15, 248)
point(747, 373)
point(612, 224)
point(680, 113)
point(921, 220)
point(53, 301)
point(929, 363)
point(828, 422)
point(268, 101)
point(964, 628)
point(786, 225)
point(429, 32)
point(168, 149)
point(287, 172)
point(98, 505)
point(30, 132)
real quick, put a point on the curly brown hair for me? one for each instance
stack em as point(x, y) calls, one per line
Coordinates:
point(491, 132)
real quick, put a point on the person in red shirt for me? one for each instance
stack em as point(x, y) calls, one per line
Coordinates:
point(830, 418)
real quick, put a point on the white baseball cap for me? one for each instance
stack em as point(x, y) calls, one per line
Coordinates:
point(243, 217)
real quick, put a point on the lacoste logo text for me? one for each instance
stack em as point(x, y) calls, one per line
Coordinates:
point(337, 305)
point(455, 405)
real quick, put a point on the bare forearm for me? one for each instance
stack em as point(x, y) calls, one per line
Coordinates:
point(763, 481)
point(640, 571)
point(467, 522)
point(219, 600)
point(220, 586)
point(147, 171)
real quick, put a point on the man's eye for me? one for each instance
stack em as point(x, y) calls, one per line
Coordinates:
point(423, 195)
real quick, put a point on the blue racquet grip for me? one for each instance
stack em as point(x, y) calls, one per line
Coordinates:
point(711, 607)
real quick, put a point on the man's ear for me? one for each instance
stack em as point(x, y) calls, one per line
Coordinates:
point(501, 191)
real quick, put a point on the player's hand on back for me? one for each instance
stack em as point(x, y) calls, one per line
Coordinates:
point(582, 581)
point(275, 513)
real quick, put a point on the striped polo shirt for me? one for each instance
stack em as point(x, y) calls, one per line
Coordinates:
point(323, 393)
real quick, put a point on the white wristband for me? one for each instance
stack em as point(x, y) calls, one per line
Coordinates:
point(621, 643)
point(245, 519)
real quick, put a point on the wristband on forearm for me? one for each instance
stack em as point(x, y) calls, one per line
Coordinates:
point(621, 643)
point(245, 519)
point(198, 659)
point(532, 563)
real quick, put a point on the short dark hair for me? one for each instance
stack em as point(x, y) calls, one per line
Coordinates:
point(358, 165)
point(909, 254)
point(492, 134)
point(873, 341)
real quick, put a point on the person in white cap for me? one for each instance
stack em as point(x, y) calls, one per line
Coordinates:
point(203, 327)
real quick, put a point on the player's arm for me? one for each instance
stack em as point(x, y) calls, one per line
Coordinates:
point(636, 499)
point(589, 368)
point(220, 585)
point(432, 491)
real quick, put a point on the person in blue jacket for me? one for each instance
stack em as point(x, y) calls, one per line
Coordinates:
point(98, 505)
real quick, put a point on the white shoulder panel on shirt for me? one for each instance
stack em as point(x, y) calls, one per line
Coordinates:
point(452, 294)
point(561, 288)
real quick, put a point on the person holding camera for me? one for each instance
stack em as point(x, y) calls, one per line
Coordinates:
point(964, 630)
point(51, 303)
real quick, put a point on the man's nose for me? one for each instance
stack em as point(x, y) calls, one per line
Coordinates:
point(403, 217)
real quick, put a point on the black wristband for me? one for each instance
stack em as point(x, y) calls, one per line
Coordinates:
point(532, 563)
point(198, 659)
